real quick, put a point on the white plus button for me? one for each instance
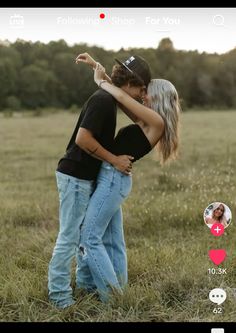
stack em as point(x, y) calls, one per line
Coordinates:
point(217, 229)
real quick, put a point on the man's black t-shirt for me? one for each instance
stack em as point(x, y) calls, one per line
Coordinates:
point(98, 116)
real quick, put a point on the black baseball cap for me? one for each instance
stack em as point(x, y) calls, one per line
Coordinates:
point(138, 66)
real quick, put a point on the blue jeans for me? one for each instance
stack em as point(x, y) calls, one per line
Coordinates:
point(102, 246)
point(74, 196)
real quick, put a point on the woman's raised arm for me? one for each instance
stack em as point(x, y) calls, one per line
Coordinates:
point(87, 59)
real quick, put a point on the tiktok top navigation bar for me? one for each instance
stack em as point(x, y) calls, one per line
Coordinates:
point(119, 20)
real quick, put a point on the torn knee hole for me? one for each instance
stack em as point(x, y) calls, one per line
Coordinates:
point(83, 251)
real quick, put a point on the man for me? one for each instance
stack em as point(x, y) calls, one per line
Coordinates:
point(76, 174)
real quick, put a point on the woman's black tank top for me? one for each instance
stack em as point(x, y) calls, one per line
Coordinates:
point(131, 140)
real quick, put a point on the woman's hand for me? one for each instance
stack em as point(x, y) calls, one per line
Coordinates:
point(99, 73)
point(85, 58)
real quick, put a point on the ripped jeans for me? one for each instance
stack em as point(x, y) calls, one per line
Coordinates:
point(103, 260)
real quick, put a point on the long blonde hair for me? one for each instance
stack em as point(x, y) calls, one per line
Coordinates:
point(165, 101)
point(222, 219)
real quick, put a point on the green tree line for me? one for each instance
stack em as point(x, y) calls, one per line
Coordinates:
point(34, 75)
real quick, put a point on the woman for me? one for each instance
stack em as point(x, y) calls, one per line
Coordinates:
point(103, 255)
point(217, 216)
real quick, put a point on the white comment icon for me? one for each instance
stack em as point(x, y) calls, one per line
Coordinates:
point(217, 296)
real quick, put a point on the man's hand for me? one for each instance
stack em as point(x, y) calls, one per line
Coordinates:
point(85, 58)
point(123, 163)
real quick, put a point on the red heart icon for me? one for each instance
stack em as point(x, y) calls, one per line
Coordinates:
point(217, 256)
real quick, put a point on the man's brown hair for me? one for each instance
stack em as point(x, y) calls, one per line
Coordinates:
point(120, 76)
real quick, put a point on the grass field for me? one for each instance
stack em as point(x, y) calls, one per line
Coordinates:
point(167, 241)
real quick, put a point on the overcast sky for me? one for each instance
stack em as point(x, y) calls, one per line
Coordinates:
point(202, 29)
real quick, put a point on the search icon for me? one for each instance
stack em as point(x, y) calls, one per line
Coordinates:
point(218, 20)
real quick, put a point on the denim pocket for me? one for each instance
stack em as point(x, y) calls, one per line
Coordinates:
point(62, 185)
point(125, 185)
point(106, 174)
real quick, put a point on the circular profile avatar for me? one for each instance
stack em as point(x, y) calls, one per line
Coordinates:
point(217, 212)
